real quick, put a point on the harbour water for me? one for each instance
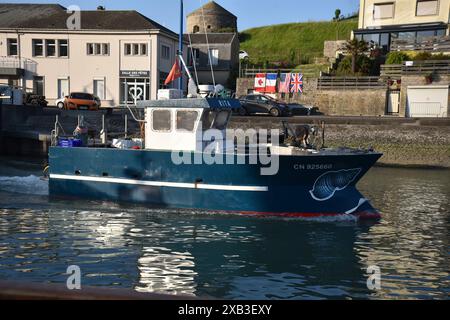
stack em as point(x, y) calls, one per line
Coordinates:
point(231, 256)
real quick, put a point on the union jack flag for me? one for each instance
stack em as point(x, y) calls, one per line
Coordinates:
point(297, 83)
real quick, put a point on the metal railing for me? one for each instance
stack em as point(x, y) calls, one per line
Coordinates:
point(251, 73)
point(350, 83)
point(435, 44)
point(441, 67)
point(18, 63)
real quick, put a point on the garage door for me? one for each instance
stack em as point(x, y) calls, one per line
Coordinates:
point(427, 101)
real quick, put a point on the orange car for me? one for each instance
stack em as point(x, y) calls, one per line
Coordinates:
point(81, 101)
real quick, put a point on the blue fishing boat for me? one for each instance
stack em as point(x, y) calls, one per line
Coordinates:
point(183, 165)
point(188, 160)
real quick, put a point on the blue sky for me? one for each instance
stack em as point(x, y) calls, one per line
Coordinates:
point(250, 13)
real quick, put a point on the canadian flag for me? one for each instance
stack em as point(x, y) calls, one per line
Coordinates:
point(260, 82)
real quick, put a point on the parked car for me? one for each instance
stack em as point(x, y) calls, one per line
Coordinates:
point(263, 104)
point(35, 100)
point(79, 101)
point(302, 110)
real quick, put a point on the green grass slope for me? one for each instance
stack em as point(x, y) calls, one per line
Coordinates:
point(293, 43)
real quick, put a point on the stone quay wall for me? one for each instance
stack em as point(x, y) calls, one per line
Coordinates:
point(331, 102)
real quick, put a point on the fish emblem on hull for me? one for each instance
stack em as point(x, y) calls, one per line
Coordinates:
point(330, 182)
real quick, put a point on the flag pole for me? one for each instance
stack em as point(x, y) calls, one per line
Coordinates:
point(180, 40)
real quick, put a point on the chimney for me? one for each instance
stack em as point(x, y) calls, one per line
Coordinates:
point(101, 8)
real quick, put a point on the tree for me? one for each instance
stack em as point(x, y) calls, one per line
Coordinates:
point(355, 48)
point(337, 14)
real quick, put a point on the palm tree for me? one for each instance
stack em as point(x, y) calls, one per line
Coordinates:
point(356, 47)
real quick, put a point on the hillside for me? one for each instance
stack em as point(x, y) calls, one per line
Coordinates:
point(295, 43)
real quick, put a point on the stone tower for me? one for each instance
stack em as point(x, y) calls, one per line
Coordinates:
point(215, 17)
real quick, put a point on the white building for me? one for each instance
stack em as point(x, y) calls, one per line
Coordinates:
point(120, 56)
point(385, 21)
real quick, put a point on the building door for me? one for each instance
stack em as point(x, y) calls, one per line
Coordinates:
point(427, 101)
point(38, 85)
point(134, 90)
point(99, 88)
point(393, 102)
point(63, 88)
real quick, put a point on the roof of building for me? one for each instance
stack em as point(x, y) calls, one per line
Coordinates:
point(54, 16)
point(213, 38)
point(212, 8)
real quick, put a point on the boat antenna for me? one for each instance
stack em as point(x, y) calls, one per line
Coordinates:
point(207, 44)
point(194, 63)
point(180, 40)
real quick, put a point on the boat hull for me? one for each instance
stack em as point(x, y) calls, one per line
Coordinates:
point(306, 185)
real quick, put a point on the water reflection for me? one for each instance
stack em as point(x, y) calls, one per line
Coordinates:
point(165, 271)
point(411, 244)
point(193, 253)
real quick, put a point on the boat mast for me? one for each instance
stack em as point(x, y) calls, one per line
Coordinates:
point(180, 40)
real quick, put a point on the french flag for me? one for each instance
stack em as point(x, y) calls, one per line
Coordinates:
point(271, 83)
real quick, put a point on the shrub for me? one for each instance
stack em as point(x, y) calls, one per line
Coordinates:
point(364, 66)
point(440, 56)
point(422, 56)
point(397, 57)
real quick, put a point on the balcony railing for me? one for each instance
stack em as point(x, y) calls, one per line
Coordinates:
point(433, 44)
point(18, 63)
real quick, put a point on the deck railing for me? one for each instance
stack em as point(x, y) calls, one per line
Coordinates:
point(395, 71)
point(350, 83)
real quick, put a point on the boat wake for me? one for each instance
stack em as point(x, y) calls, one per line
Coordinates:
point(32, 185)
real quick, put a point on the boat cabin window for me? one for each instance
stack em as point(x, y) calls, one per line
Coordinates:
point(162, 120)
point(216, 119)
point(186, 120)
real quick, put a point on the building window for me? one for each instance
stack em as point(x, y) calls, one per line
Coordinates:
point(165, 52)
point(196, 29)
point(383, 10)
point(97, 49)
point(50, 48)
point(213, 57)
point(135, 49)
point(186, 120)
point(143, 49)
point(195, 56)
point(427, 7)
point(99, 88)
point(38, 47)
point(63, 48)
point(105, 49)
point(13, 47)
point(90, 49)
point(162, 120)
point(127, 49)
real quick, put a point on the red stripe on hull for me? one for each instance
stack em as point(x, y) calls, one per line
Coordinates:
point(359, 215)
